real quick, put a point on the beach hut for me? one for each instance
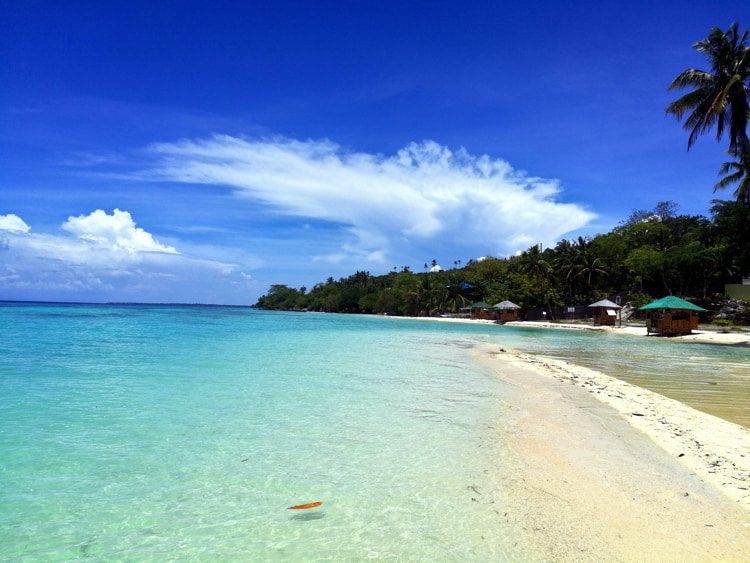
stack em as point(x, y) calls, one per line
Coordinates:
point(671, 316)
point(506, 311)
point(605, 312)
point(482, 310)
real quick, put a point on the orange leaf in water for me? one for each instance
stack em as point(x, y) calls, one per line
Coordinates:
point(305, 506)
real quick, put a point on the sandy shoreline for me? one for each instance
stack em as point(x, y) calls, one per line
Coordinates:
point(704, 336)
point(605, 470)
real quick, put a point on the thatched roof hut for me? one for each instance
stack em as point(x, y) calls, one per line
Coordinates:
point(671, 316)
point(605, 312)
point(506, 311)
point(505, 305)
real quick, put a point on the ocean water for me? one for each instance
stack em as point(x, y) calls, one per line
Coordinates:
point(154, 432)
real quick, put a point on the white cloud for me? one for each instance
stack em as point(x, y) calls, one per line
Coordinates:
point(436, 268)
point(116, 232)
point(105, 254)
point(423, 196)
point(13, 223)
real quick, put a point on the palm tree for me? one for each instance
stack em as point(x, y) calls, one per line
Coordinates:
point(736, 171)
point(720, 96)
point(535, 263)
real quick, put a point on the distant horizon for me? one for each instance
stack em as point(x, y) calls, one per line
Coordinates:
point(164, 304)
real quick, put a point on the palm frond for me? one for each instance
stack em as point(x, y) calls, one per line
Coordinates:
point(692, 77)
point(721, 96)
point(742, 193)
point(727, 166)
point(679, 107)
point(728, 180)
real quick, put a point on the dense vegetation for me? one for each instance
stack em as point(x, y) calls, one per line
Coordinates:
point(653, 253)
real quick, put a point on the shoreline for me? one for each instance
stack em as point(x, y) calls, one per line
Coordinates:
point(605, 470)
point(698, 335)
point(716, 449)
point(739, 339)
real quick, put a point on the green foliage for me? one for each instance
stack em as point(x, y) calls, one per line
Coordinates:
point(724, 324)
point(639, 299)
point(736, 172)
point(661, 253)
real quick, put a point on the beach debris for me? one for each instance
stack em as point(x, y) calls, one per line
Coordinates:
point(474, 488)
point(680, 455)
point(246, 459)
point(638, 414)
point(304, 506)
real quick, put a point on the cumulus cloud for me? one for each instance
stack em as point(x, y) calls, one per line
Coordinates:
point(104, 254)
point(425, 194)
point(436, 268)
point(116, 231)
point(13, 223)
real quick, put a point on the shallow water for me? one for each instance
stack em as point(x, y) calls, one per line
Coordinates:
point(153, 432)
point(137, 432)
point(713, 378)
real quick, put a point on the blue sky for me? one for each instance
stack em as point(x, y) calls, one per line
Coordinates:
point(250, 143)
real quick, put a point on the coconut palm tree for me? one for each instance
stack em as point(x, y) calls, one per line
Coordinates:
point(720, 96)
point(534, 262)
point(736, 172)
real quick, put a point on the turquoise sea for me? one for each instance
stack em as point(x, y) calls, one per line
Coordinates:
point(159, 432)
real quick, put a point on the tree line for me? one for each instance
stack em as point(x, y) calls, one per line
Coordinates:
point(652, 253)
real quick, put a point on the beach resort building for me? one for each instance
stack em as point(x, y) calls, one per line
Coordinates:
point(671, 316)
point(482, 310)
point(506, 311)
point(605, 312)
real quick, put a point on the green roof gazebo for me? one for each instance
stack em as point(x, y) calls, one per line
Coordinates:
point(671, 316)
point(506, 311)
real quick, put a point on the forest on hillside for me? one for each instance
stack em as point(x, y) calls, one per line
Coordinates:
point(653, 253)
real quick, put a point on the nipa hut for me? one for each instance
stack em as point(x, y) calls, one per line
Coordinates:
point(605, 312)
point(482, 310)
point(506, 311)
point(671, 316)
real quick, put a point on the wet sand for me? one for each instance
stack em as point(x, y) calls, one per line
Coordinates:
point(601, 470)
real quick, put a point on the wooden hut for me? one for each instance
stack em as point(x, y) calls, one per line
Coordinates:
point(505, 311)
point(482, 310)
point(671, 316)
point(605, 312)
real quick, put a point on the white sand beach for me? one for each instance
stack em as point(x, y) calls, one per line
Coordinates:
point(603, 470)
point(607, 471)
point(706, 336)
point(700, 335)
